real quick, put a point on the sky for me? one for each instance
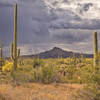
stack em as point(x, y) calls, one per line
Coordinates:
point(44, 24)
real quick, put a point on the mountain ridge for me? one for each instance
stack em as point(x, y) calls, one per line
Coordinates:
point(58, 52)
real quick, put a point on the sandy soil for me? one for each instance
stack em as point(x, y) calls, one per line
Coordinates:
point(36, 91)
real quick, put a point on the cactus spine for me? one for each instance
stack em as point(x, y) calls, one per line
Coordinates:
point(15, 53)
point(95, 49)
point(1, 55)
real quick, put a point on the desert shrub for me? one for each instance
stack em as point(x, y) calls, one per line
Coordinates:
point(21, 62)
point(64, 71)
point(44, 74)
point(37, 74)
point(8, 67)
point(28, 61)
point(70, 70)
point(2, 97)
point(37, 62)
point(92, 89)
point(58, 70)
point(89, 92)
point(84, 74)
point(22, 77)
point(47, 74)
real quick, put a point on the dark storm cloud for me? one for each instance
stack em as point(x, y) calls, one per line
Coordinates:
point(6, 24)
point(87, 6)
point(76, 24)
point(46, 23)
point(71, 36)
point(32, 27)
point(84, 7)
point(5, 5)
point(66, 19)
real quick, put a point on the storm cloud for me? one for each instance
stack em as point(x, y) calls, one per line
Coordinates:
point(43, 24)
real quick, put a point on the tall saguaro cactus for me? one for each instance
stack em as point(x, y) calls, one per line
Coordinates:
point(1, 54)
point(95, 49)
point(1, 51)
point(14, 51)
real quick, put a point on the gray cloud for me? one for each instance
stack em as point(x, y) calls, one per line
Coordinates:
point(43, 24)
point(72, 36)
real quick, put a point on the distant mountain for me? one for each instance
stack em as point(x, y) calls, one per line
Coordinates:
point(58, 52)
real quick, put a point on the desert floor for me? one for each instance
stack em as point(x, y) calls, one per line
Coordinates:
point(38, 91)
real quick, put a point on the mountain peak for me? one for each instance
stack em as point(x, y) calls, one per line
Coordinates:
point(56, 52)
point(57, 48)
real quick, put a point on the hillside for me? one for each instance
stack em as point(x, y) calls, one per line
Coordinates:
point(58, 52)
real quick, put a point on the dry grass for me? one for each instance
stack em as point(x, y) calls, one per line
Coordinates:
point(37, 91)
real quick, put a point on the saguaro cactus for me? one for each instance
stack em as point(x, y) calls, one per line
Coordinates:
point(14, 52)
point(1, 55)
point(95, 49)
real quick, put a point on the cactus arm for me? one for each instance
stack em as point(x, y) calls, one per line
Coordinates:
point(18, 53)
point(1, 55)
point(12, 56)
point(1, 44)
point(95, 49)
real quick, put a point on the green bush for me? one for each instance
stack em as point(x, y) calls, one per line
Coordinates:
point(44, 74)
point(57, 70)
point(90, 92)
point(47, 74)
point(37, 62)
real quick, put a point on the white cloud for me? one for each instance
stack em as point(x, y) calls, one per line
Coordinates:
point(76, 6)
